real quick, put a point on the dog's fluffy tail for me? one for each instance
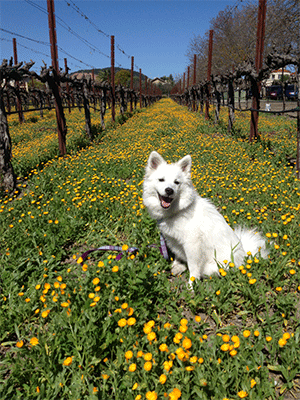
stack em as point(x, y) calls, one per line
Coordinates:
point(252, 240)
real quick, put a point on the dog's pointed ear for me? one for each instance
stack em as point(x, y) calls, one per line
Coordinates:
point(154, 160)
point(186, 164)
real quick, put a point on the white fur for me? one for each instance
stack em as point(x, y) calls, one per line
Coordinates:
point(193, 228)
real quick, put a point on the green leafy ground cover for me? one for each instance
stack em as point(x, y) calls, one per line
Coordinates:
point(128, 329)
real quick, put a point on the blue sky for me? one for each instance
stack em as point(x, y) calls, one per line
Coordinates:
point(157, 33)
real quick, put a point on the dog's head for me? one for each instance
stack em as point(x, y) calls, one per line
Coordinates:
point(165, 185)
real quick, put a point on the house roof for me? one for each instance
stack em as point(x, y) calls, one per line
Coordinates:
point(156, 80)
point(279, 71)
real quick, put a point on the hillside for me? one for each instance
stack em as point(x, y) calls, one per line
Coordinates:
point(98, 70)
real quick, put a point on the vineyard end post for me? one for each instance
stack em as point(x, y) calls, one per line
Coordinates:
point(113, 111)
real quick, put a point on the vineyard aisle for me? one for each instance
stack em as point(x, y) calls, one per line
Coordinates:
point(124, 327)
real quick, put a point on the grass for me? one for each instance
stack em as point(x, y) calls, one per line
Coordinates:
point(128, 329)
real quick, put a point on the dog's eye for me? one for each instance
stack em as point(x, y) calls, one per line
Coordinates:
point(176, 182)
point(161, 179)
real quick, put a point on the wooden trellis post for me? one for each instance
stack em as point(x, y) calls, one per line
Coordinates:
point(60, 118)
point(140, 88)
point(113, 89)
point(210, 47)
point(17, 87)
point(258, 64)
point(298, 125)
point(131, 83)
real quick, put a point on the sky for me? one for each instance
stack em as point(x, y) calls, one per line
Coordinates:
point(156, 32)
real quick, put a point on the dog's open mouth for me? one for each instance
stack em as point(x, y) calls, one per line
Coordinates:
point(165, 201)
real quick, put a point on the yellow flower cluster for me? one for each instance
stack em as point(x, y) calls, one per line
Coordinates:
point(283, 340)
point(48, 295)
point(129, 312)
point(230, 344)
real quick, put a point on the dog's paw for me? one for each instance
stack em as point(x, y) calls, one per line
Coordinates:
point(190, 286)
point(177, 268)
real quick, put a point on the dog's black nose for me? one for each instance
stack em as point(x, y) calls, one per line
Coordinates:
point(169, 191)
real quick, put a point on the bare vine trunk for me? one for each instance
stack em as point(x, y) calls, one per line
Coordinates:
point(7, 176)
point(87, 113)
point(231, 116)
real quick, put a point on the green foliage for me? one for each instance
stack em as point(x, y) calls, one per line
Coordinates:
point(104, 75)
point(122, 77)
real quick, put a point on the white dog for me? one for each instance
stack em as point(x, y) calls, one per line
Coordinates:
point(193, 228)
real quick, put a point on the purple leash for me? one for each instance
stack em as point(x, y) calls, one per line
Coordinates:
point(163, 249)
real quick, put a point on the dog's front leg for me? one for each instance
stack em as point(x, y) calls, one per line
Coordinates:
point(194, 262)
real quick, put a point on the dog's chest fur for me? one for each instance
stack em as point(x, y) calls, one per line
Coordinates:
point(177, 229)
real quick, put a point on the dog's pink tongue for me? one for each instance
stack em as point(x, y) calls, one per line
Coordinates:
point(165, 202)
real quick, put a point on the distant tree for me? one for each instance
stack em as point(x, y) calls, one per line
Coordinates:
point(37, 84)
point(234, 38)
point(104, 75)
point(122, 77)
point(165, 89)
point(171, 79)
